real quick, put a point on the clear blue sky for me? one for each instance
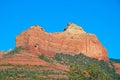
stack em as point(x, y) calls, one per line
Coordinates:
point(101, 17)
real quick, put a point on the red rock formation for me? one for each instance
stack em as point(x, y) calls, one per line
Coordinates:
point(73, 40)
point(2, 53)
point(117, 67)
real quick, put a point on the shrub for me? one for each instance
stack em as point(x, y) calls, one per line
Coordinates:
point(45, 58)
point(15, 51)
point(115, 60)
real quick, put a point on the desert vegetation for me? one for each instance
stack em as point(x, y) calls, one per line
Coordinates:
point(86, 68)
point(115, 60)
point(27, 72)
point(81, 67)
point(15, 51)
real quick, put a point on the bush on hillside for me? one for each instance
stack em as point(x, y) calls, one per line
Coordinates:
point(15, 51)
point(96, 70)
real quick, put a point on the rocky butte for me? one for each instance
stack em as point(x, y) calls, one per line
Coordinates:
point(39, 54)
point(73, 40)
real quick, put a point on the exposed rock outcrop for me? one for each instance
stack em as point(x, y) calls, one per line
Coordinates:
point(117, 67)
point(2, 53)
point(73, 40)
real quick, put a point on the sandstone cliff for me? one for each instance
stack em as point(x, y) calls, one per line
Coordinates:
point(2, 53)
point(73, 40)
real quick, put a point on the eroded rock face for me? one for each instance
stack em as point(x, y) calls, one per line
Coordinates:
point(117, 67)
point(73, 40)
point(2, 53)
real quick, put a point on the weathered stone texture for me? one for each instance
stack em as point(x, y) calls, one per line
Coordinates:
point(73, 40)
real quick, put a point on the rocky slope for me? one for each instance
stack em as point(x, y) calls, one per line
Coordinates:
point(73, 40)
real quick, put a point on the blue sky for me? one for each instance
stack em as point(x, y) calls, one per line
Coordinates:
point(101, 17)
